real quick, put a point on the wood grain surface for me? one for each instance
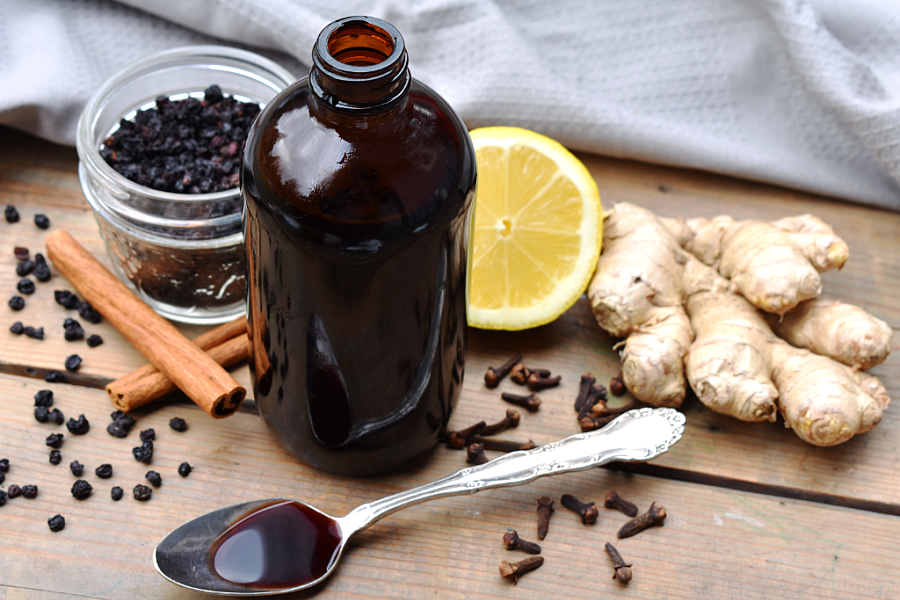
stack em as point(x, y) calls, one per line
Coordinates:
point(754, 512)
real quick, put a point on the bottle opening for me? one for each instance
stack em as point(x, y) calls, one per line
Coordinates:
point(360, 44)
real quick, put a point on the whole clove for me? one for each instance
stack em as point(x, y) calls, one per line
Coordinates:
point(519, 373)
point(81, 489)
point(653, 517)
point(510, 421)
point(536, 382)
point(513, 542)
point(512, 571)
point(584, 390)
point(56, 523)
point(530, 402)
point(614, 501)
point(592, 423)
point(475, 454)
point(622, 570)
point(544, 510)
point(502, 445)
point(493, 376)
point(588, 511)
point(600, 411)
point(460, 439)
point(617, 385)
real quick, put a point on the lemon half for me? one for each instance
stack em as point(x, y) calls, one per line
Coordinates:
point(537, 233)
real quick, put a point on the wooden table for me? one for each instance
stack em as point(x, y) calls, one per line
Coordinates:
point(754, 512)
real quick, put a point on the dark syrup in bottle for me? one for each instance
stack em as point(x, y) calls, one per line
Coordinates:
point(359, 187)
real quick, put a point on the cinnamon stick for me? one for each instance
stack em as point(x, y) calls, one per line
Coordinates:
point(129, 392)
point(187, 366)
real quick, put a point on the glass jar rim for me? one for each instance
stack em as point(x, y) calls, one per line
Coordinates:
point(88, 151)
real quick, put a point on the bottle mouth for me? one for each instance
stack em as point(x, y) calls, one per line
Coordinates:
point(360, 63)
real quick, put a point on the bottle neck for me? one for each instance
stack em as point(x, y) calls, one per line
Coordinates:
point(360, 66)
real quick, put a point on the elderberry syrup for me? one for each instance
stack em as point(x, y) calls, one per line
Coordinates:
point(359, 185)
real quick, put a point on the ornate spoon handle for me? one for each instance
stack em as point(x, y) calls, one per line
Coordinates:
point(636, 435)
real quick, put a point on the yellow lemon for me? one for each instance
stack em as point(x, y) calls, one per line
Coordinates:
point(537, 231)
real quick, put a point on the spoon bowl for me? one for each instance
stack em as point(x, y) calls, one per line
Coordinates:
point(229, 551)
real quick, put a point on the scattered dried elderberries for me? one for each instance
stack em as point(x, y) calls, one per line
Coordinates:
point(14, 491)
point(88, 313)
point(184, 469)
point(143, 453)
point(81, 489)
point(17, 328)
point(25, 286)
point(94, 340)
point(54, 440)
point(21, 252)
point(72, 330)
point(148, 435)
point(78, 426)
point(116, 493)
point(41, 414)
point(29, 491)
point(123, 419)
point(73, 363)
point(104, 471)
point(37, 334)
point(11, 214)
point(24, 268)
point(44, 398)
point(178, 424)
point(56, 416)
point(42, 221)
point(77, 468)
point(66, 299)
point(53, 376)
point(55, 457)
point(4, 465)
point(154, 478)
point(142, 492)
point(189, 146)
point(57, 523)
point(42, 272)
point(17, 303)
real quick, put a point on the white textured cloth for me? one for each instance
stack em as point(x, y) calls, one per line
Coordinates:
point(802, 93)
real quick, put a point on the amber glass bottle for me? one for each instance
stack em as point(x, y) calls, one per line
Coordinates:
point(359, 186)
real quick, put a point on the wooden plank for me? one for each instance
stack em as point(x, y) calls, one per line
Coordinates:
point(715, 543)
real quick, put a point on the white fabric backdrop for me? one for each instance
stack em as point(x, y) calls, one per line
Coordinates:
point(802, 93)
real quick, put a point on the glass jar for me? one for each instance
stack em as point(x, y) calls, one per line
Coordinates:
point(182, 253)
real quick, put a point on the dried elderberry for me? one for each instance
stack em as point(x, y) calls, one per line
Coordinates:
point(73, 363)
point(56, 416)
point(154, 478)
point(41, 414)
point(41, 221)
point(17, 328)
point(44, 398)
point(53, 376)
point(143, 453)
point(4, 465)
point(104, 471)
point(116, 430)
point(25, 286)
point(57, 523)
point(94, 340)
point(14, 491)
point(184, 469)
point(24, 268)
point(17, 303)
point(142, 492)
point(21, 252)
point(37, 334)
point(72, 330)
point(42, 272)
point(125, 420)
point(54, 440)
point(29, 491)
point(148, 435)
point(79, 426)
point(77, 468)
point(116, 493)
point(55, 457)
point(81, 489)
point(66, 299)
point(11, 214)
point(88, 313)
point(2, 477)
point(2, 497)
point(178, 424)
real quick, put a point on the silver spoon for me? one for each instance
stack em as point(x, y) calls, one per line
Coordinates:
point(184, 557)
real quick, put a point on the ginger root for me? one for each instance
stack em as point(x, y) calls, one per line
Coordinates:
point(636, 293)
point(774, 265)
point(844, 332)
point(737, 366)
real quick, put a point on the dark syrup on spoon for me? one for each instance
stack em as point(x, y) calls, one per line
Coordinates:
point(282, 545)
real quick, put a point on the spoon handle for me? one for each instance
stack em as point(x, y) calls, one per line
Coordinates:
point(636, 435)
